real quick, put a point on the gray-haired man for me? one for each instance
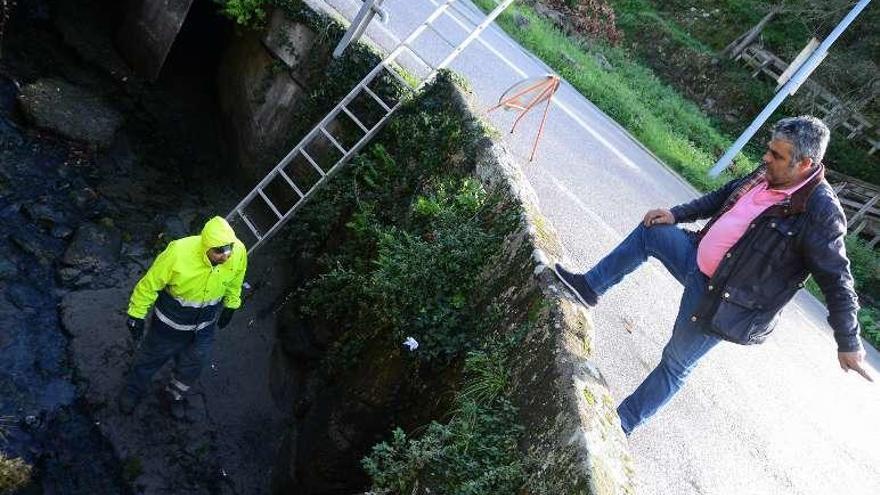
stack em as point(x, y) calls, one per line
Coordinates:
point(767, 232)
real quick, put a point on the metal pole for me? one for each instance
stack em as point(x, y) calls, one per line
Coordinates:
point(791, 86)
point(358, 25)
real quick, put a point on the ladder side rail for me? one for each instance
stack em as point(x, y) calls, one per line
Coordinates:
point(424, 25)
point(330, 173)
point(490, 18)
point(308, 138)
point(341, 107)
point(250, 225)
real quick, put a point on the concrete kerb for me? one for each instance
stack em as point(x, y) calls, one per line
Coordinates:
point(572, 440)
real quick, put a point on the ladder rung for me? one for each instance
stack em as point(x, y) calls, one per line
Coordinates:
point(418, 56)
point(362, 86)
point(292, 185)
point(399, 78)
point(270, 204)
point(313, 162)
point(355, 119)
point(249, 224)
point(376, 97)
point(334, 141)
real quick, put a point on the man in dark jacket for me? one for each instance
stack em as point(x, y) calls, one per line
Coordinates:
point(767, 232)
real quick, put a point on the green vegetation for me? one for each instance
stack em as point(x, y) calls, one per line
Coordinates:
point(680, 41)
point(865, 266)
point(669, 125)
point(475, 453)
point(14, 474)
point(415, 242)
point(245, 12)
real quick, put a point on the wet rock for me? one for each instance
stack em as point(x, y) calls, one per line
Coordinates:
point(70, 111)
point(84, 281)
point(8, 269)
point(81, 27)
point(174, 228)
point(43, 214)
point(68, 274)
point(94, 247)
point(82, 197)
point(34, 247)
point(23, 296)
point(61, 231)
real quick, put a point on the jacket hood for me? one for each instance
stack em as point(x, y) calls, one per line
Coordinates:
point(217, 232)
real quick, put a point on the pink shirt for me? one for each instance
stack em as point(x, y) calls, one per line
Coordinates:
point(733, 224)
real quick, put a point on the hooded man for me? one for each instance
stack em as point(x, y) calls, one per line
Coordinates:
point(196, 286)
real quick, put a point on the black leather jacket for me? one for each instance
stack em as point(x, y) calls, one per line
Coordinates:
point(770, 263)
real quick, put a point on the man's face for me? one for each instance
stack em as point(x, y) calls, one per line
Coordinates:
point(218, 256)
point(781, 172)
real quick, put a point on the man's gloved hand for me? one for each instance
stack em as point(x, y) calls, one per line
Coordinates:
point(136, 327)
point(225, 317)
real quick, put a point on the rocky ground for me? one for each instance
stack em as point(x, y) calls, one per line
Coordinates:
point(98, 170)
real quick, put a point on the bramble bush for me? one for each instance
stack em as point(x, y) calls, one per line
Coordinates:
point(14, 474)
point(475, 453)
point(244, 12)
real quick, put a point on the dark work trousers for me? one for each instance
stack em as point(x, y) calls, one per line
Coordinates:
point(191, 351)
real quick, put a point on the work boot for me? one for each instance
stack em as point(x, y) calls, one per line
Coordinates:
point(173, 404)
point(126, 403)
point(178, 409)
point(175, 398)
point(577, 283)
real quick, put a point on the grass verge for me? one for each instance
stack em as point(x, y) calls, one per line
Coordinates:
point(670, 126)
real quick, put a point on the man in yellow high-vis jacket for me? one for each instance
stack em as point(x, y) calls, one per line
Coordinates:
point(196, 286)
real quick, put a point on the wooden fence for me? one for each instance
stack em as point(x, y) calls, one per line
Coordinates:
point(858, 127)
point(860, 203)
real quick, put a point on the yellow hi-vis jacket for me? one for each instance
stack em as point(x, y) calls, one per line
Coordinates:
point(187, 289)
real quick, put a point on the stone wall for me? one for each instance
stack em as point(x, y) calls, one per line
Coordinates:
point(149, 30)
point(260, 81)
point(572, 439)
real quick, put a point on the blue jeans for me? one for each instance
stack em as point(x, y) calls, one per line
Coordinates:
point(191, 351)
point(678, 253)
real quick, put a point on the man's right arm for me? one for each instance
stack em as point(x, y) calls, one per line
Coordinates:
point(147, 289)
point(706, 205)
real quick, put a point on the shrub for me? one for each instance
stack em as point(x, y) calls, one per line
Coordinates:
point(475, 453)
point(244, 12)
point(15, 473)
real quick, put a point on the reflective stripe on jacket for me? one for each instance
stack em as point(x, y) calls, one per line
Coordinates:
point(191, 291)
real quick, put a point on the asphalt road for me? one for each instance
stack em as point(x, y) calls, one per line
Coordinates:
point(780, 418)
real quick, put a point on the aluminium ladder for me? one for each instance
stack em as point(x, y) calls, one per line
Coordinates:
point(272, 213)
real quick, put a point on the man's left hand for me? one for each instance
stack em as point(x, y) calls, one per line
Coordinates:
point(225, 317)
point(854, 361)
